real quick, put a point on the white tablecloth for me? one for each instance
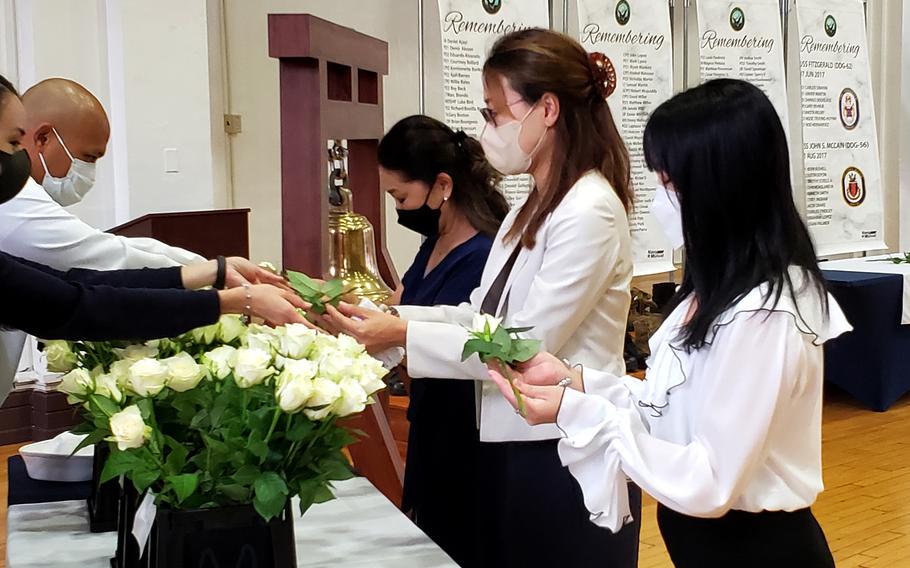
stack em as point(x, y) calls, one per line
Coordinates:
point(881, 265)
point(360, 529)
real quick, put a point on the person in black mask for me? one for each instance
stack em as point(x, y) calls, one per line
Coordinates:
point(444, 189)
point(122, 304)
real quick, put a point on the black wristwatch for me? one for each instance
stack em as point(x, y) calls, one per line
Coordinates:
point(221, 272)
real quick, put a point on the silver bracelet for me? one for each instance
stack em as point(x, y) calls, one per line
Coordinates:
point(248, 307)
point(566, 381)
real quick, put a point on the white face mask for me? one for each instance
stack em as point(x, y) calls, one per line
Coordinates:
point(71, 188)
point(665, 208)
point(500, 144)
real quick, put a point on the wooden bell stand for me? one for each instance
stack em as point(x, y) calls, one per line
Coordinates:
point(331, 89)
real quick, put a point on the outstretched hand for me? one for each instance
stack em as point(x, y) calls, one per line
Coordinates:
point(375, 329)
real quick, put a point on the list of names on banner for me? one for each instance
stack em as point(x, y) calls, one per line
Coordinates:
point(469, 29)
point(635, 36)
point(743, 40)
point(841, 162)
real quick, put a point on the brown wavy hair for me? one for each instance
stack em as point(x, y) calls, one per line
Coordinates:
point(535, 62)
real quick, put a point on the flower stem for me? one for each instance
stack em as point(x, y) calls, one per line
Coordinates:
point(275, 418)
point(504, 369)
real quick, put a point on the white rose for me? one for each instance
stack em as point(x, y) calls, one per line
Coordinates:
point(106, 385)
point(353, 398)
point(323, 344)
point(261, 337)
point(325, 393)
point(336, 366)
point(252, 366)
point(205, 335)
point(60, 356)
point(294, 393)
point(484, 322)
point(128, 429)
point(76, 383)
point(299, 369)
point(370, 373)
point(137, 352)
point(220, 361)
point(348, 345)
point(147, 377)
point(230, 328)
point(294, 340)
point(120, 371)
point(184, 373)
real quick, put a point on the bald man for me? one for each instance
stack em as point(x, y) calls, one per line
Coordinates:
point(67, 132)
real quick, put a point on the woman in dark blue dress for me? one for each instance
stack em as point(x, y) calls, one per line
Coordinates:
point(446, 191)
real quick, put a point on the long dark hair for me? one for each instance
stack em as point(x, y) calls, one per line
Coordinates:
point(6, 89)
point(724, 150)
point(536, 62)
point(420, 148)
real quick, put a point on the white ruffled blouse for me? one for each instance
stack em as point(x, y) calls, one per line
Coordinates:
point(734, 425)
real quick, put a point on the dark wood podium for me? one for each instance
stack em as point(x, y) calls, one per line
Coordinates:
point(207, 233)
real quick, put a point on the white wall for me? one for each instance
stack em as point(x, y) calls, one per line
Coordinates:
point(147, 62)
point(253, 94)
point(904, 148)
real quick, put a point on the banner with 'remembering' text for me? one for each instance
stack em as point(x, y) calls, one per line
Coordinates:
point(842, 172)
point(635, 36)
point(469, 29)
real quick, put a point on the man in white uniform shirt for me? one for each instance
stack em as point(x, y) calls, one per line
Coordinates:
point(67, 134)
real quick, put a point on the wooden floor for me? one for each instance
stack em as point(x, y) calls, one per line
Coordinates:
point(865, 509)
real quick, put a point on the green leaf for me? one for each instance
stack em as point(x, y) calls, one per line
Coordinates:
point(183, 485)
point(270, 495)
point(323, 494)
point(300, 430)
point(524, 349)
point(94, 437)
point(246, 475)
point(144, 478)
point(235, 492)
point(333, 288)
point(118, 463)
point(502, 339)
point(516, 330)
point(479, 346)
point(104, 405)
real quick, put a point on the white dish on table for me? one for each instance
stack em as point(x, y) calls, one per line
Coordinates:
point(53, 460)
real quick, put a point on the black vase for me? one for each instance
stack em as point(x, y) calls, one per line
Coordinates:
point(225, 537)
point(104, 497)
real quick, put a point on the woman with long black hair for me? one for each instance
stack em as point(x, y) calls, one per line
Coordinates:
point(725, 432)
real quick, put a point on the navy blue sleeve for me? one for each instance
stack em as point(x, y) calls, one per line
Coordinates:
point(45, 303)
point(127, 278)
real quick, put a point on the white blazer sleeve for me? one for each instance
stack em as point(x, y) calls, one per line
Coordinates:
point(582, 249)
point(40, 230)
point(749, 367)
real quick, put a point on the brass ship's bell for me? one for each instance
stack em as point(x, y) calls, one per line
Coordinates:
point(352, 250)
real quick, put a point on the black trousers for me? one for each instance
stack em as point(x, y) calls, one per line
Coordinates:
point(533, 513)
point(775, 539)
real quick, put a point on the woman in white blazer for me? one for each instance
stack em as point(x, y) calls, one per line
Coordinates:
point(561, 264)
point(725, 432)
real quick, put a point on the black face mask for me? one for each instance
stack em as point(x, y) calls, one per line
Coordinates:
point(14, 171)
point(423, 220)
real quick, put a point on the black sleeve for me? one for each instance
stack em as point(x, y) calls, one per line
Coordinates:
point(126, 278)
point(44, 303)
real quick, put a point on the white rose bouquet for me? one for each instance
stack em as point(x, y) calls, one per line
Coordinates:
point(226, 414)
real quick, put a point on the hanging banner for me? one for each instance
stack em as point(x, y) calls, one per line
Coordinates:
point(743, 40)
point(842, 173)
point(635, 35)
point(469, 29)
